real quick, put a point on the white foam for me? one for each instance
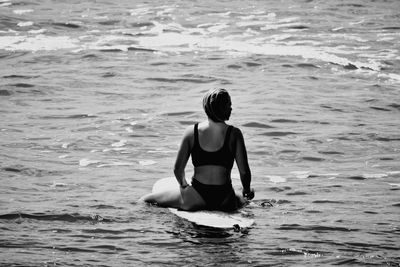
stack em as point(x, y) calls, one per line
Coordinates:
point(308, 42)
point(223, 14)
point(5, 4)
point(58, 184)
point(119, 144)
point(138, 12)
point(165, 28)
point(37, 31)
point(147, 162)
point(288, 20)
point(165, 11)
point(301, 174)
point(25, 24)
point(276, 179)
point(374, 175)
point(101, 17)
point(111, 38)
point(86, 162)
point(172, 42)
point(119, 149)
point(115, 164)
point(259, 16)
point(8, 31)
point(36, 43)
point(392, 76)
point(337, 29)
point(217, 28)
point(252, 23)
point(22, 11)
point(358, 22)
point(65, 145)
point(173, 37)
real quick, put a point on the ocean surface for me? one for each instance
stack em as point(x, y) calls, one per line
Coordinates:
point(95, 96)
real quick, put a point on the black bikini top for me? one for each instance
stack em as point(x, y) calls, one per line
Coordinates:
point(222, 157)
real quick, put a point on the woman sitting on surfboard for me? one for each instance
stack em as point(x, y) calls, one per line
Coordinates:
point(213, 146)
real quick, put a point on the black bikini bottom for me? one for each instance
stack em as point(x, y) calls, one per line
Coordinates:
point(217, 197)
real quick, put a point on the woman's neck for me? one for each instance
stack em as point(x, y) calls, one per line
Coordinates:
point(215, 124)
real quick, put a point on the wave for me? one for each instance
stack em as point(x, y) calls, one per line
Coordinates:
point(22, 85)
point(108, 247)
point(297, 193)
point(16, 76)
point(172, 41)
point(4, 92)
point(66, 25)
point(296, 252)
point(284, 121)
point(316, 228)
point(179, 114)
point(55, 217)
point(276, 178)
point(103, 206)
point(313, 159)
point(37, 43)
point(277, 133)
point(257, 125)
point(188, 80)
point(67, 117)
point(327, 202)
point(160, 37)
point(30, 171)
point(279, 189)
point(330, 152)
point(155, 37)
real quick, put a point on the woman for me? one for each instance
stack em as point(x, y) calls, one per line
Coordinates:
point(213, 146)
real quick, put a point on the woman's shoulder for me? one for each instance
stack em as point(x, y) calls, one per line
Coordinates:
point(235, 130)
point(188, 135)
point(189, 130)
point(235, 133)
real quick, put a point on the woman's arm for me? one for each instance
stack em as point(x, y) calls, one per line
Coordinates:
point(242, 163)
point(182, 157)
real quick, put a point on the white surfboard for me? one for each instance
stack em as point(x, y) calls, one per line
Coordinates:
point(217, 219)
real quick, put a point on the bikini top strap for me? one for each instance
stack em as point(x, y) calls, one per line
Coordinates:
point(228, 134)
point(196, 134)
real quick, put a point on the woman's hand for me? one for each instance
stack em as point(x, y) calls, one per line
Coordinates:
point(248, 194)
point(184, 184)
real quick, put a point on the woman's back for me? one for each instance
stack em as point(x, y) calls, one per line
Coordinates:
point(212, 156)
point(212, 136)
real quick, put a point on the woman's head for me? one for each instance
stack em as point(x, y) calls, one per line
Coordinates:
point(217, 105)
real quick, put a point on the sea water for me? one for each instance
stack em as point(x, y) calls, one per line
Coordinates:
point(95, 96)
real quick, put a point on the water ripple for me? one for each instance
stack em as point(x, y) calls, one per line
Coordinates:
point(315, 228)
point(55, 217)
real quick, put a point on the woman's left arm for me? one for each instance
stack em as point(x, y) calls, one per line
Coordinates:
point(243, 164)
point(183, 157)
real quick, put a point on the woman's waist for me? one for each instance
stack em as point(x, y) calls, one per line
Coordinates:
point(212, 175)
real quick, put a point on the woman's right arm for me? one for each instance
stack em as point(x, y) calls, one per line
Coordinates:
point(182, 157)
point(243, 164)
